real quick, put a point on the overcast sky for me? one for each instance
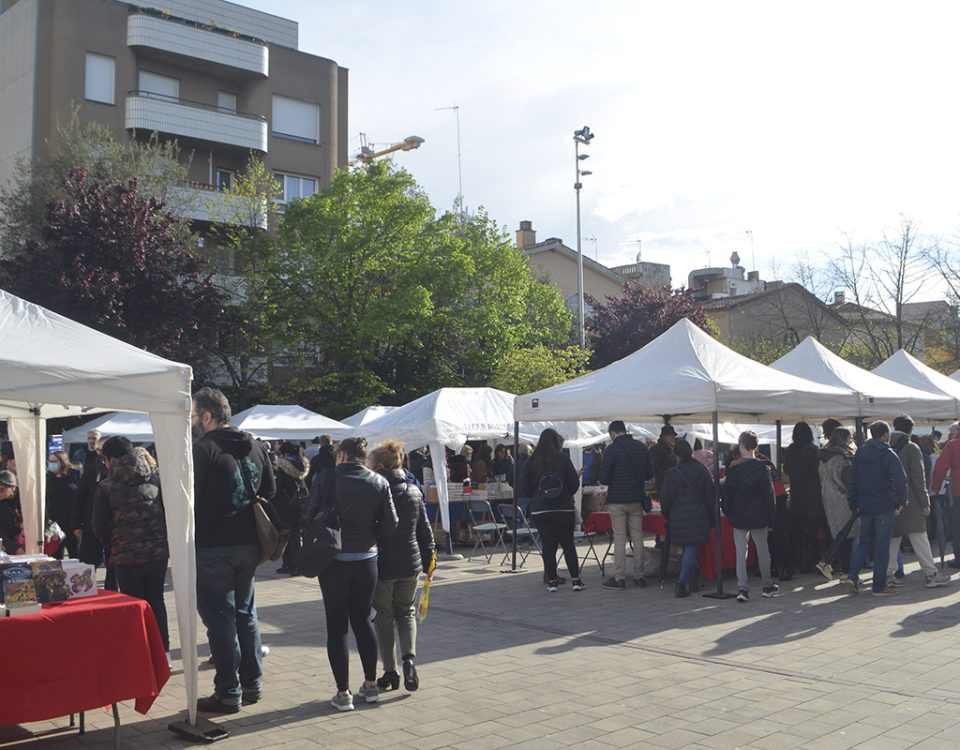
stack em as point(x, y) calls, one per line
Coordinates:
point(806, 123)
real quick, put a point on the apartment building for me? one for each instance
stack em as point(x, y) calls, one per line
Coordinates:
point(224, 80)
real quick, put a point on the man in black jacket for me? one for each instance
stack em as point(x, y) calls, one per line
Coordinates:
point(661, 455)
point(230, 470)
point(625, 470)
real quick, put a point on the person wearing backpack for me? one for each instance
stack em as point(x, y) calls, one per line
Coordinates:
point(686, 499)
point(551, 480)
point(748, 502)
point(625, 470)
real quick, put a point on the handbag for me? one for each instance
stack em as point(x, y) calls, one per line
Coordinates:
point(273, 540)
point(321, 539)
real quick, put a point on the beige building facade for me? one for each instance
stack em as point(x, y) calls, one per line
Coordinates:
point(223, 80)
point(555, 263)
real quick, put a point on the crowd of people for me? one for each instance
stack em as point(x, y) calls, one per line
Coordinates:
point(846, 506)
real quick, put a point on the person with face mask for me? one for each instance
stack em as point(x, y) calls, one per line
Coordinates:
point(61, 486)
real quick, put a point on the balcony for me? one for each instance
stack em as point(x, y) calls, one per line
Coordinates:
point(185, 39)
point(203, 202)
point(153, 112)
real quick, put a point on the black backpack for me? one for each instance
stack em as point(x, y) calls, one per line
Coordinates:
point(549, 488)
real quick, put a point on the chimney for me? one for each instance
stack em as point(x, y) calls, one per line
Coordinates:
point(526, 235)
point(839, 298)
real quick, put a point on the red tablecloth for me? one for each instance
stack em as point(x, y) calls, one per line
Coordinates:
point(80, 655)
point(655, 523)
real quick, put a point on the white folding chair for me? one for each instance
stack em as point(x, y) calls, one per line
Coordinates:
point(523, 530)
point(482, 522)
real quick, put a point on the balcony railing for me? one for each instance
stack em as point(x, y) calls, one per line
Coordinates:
point(205, 202)
point(179, 37)
point(165, 114)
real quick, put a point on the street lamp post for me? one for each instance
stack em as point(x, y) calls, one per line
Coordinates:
point(580, 137)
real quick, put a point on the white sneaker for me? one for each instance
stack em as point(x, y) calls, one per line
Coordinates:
point(342, 702)
point(825, 569)
point(935, 580)
point(895, 583)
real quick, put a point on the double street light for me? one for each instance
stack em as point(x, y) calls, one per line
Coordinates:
point(581, 137)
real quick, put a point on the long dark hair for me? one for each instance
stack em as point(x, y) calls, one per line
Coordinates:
point(548, 454)
point(802, 434)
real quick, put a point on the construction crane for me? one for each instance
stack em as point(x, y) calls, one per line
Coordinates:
point(368, 152)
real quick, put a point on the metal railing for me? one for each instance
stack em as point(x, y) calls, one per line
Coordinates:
point(195, 105)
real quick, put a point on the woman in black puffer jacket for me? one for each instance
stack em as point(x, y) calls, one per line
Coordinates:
point(291, 470)
point(365, 509)
point(403, 555)
point(687, 501)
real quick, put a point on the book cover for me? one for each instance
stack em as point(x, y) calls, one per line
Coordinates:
point(18, 592)
point(50, 581)
point(16, 573)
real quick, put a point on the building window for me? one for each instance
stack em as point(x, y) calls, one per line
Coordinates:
point(295, 186)
point(224, 179)
point(296, 119)
point(227, 102)
point(160, 87)
point(99, 79)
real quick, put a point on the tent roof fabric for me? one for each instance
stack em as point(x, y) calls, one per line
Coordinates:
point(683, 372)
point(901, 367)
point(367, 415)
point(878, 395)
point(49, 359)
point(286, 422)
point(135, 426)
point(449, 416)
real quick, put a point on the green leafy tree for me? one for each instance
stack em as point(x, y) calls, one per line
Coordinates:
point(242, 240)
point(109, 257)
point(93, 150)
point(536, 367)
point(376, 298)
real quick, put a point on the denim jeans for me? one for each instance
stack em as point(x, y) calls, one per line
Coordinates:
point(688, 563)
point(225, 600)
point(875, 533)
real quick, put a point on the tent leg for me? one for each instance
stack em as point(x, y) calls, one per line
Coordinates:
point(516, 486)
point(718, 573)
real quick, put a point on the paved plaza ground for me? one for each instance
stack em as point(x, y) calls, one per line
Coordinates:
point(504, 664)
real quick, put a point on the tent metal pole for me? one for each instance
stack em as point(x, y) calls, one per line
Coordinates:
point(718, 573)
point(779, 462)
point(516, 485)
point(40, 454)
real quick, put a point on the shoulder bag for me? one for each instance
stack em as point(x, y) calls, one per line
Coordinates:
point(321, 540)
point(272, 539)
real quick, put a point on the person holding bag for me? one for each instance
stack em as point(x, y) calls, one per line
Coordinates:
point(403, 554)
point(363, 504)
point(687, 499)
point(551, 480)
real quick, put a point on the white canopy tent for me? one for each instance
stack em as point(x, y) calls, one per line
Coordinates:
point(134, 425)
point(901, 367)
point(51, 366)
point(877, 396)
point(367, 415)
point(683, 373)
point(448, 417)
point(286, 422)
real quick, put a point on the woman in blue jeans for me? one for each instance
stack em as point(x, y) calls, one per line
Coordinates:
point(687, 502)
point(365, 508)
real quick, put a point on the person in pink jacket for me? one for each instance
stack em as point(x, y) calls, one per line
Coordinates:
point(949, 461)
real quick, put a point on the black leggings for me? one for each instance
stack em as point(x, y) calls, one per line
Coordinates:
point(347, 599)
point(556, 530)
